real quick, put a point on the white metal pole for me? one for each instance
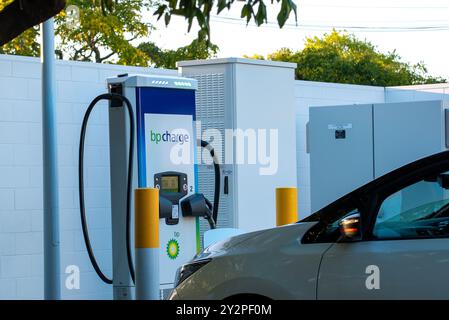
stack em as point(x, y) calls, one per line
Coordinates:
point(52, 277)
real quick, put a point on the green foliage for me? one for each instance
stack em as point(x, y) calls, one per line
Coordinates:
point(200, 10)
point(99, 36)
point(161, 58)
point(341, 57)
point(4, 3)
point(255, 56)
point(103, 37)
point(95, 36)
point(24, 45)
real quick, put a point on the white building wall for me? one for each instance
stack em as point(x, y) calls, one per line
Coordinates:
point(314, 94)
point(21, 217)
point(417, 93)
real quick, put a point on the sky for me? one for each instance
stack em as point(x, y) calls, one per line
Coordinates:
point(417, 29)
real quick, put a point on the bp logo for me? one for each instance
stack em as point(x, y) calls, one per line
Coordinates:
point(172, 249)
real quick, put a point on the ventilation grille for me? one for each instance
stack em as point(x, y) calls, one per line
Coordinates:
point(210, 107)
point(210, 110)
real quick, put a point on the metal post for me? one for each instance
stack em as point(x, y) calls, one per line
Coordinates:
point(147, 243)
point(52, 277)
point(286, 206)
point(119, 130)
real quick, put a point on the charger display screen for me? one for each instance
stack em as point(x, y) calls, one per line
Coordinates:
point(170, 183)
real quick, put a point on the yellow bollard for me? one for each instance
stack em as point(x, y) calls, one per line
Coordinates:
point(286, 205)
point(146, 217)
point(146, 208)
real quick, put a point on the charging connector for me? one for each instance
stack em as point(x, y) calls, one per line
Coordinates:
point(117, 100)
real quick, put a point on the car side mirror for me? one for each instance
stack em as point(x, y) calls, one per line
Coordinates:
point(351, 227)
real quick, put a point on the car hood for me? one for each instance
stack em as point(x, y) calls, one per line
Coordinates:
point(266, 238)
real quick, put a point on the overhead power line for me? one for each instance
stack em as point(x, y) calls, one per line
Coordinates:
point(318, 27)
point(394, 7)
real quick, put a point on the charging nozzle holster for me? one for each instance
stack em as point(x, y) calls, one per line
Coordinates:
point(165, 208)
point(194, 206)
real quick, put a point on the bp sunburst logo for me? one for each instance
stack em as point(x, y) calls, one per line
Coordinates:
point(172, 249)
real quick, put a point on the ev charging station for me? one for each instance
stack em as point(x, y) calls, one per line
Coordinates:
point(157, 115)
point(164, 109)
point(153, 131)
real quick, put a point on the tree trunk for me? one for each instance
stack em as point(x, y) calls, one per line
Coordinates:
point(21, 15)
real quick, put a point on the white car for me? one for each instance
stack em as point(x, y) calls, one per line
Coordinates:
point(386, 240)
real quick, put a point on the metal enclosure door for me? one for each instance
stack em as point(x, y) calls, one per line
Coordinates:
point(341, 151)
point(405, 132)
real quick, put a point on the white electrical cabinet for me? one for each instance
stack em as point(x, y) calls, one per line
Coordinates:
point(354, 144)
point(250, 96)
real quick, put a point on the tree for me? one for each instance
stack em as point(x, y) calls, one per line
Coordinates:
point(97, 37)
point(341, 57)
point(24, 45)
point(161, 58)
point(20, 15)
point(103, 38)
point(201, 10)
point(94, 36)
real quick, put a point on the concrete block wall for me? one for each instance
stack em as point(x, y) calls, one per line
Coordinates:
point(21, 213)
point(424, 92)
point(314, 94)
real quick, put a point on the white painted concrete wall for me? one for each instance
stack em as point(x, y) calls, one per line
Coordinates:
point(417, 93)
point(314, 94)
point(21, 251)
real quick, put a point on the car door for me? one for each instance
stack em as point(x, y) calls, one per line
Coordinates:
point(404, 249)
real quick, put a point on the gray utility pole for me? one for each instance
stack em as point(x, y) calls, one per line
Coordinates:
point(52, 268)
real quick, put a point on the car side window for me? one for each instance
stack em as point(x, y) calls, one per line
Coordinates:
point(420, 210)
